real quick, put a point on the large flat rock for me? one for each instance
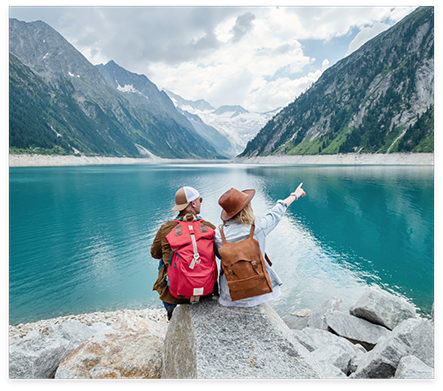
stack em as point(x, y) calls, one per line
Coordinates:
point(355, 329)
point(131, 350)
point(207, 341)
point(380, 307)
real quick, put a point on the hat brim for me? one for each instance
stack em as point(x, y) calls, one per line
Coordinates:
point(180, 207)
point(227, 216)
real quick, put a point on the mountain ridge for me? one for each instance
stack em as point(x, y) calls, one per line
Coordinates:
point(233, 122)
point(368, 102)
point(89, 115)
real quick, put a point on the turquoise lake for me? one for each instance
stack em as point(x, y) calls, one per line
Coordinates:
point(80, 237)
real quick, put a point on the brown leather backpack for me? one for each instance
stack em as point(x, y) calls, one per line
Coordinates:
point(244, 267)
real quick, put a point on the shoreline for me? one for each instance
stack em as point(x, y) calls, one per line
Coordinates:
point(21, 329)
point(58, 161)
point(425, 159)
point(422, 159)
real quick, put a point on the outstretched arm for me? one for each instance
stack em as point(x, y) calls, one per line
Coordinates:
point(299, 192)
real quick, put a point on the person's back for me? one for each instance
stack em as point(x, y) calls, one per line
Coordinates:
point(188, 204)
point(238, 216)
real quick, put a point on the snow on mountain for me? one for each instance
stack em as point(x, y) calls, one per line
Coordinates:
point(234, 122)
point(127, 88)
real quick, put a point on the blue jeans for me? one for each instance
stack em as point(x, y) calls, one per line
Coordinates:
point(166, 305)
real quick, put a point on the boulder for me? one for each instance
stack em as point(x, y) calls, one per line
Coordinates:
point(297, 320)
point(130, 350)
point(382, 308)
point(412, 337)
point(410, 367)
point(330, 348)
point(37, 355)
point(317, 316)
point(354, 329)
point(208, 341)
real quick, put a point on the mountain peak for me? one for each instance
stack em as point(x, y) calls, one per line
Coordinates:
point(73, 106)
point(200, 104)
point(38, 45)
point(234, 109)
point(379, 99)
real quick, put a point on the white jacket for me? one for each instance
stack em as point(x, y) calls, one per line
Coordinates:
point(235, 232)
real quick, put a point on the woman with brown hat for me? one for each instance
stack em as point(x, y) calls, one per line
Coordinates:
point(238, 217)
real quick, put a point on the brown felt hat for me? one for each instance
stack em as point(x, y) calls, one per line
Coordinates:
point(233, 201)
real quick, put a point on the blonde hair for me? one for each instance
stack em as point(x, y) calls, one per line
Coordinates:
point(245, 216)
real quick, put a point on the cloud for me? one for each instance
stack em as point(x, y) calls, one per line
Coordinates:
point(366, 34)
point(250, 56)
point(243, 24)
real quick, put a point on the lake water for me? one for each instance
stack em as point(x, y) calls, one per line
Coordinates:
point(80, 237)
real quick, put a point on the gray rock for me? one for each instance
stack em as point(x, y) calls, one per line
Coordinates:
point(298, 320)
point(305, 340)
point(131, 351)
point(37, 355)
point(335, 356)
point(412, 337)
point(410, 367)
point(380, 307)
point(327, 347)
point(208, 341)
point(354, 329)
point(317, 316)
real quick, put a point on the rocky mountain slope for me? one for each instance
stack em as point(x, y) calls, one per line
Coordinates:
point(219, 139)
point(235, 123)
point(379, 99)
point(62, 104)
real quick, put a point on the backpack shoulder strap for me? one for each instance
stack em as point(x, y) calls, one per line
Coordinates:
point(222, 235)
point(251, 233)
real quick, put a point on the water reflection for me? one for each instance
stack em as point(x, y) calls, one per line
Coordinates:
point(374, 221)
point(80, 237)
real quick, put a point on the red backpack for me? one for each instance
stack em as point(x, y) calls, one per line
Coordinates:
point(192, 270)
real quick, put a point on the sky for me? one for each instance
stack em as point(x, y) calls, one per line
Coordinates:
point(259, 57)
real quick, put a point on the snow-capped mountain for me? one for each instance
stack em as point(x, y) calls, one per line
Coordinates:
point(237, 124)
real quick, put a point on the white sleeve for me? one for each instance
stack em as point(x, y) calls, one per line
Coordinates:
point(272, 218)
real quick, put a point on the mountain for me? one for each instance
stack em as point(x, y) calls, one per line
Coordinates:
point(200, 104)
point(209, 133)
point(379, 99)
point(232, 110)
point(136, 86)
point(235, 123)
point(61, 103)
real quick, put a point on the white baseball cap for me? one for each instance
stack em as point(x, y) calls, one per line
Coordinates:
point(184, 196)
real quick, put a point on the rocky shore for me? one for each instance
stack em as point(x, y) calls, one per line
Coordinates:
point(345, 159)
point(37, 349)
point(107, 318)
point(380, 337)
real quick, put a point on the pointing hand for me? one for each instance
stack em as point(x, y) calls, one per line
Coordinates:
point(299, 191)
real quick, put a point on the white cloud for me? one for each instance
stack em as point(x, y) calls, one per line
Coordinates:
point(250, 56)
point(366, 34)
point(324, 65)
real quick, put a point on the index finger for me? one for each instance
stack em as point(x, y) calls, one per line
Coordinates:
point(300, 185)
